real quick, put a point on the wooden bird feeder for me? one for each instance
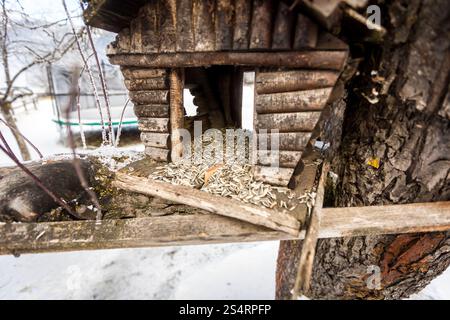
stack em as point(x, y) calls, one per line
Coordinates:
point(164, 47)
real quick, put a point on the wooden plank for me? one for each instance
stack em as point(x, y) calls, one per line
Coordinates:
point(288, 122)
point(176, 113)
point(329, 60)
point(306, 33)
point(286, 159)
point(293, 141)
point(243, 12)
point(149, 27)
point(327, 12)
point(185, 31)
point(204, 35)
point(147, 84)
point(150, 97)
point(305, 265)
point(261, 25)
point(283, 27)
point(224, 25)
point(151, 110)
point(167, 25)
point(142, 73)
point(129, 233)
point(158, 154)
point(273, 175)
point(389, 219)
point(308, 100)
point(294, 80)
point(154, 124)
point(156, 140)
point(216, 204)
point(18, 238)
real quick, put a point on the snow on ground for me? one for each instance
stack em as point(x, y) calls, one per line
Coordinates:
point(225, 271)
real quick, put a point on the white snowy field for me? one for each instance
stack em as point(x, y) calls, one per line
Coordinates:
point(226, 271)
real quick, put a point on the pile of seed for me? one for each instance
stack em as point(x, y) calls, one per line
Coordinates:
point(233, 180)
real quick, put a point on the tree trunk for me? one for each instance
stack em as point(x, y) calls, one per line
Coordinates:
point(395, 148)
point(9, 118)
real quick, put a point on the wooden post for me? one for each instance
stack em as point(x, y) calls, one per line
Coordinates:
point(185, 31)
point(305, 266)
point(224, 25)
point(176, 112)
point(203, 25)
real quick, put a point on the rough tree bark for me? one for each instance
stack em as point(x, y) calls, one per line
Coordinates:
point(406, 128)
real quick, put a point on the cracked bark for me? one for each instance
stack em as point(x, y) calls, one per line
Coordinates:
point(408, 130)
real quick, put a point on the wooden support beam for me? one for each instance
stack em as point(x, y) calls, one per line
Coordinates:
point(167, 15)
point(17, 238)
point(305, 264)
point(330, 60)
point(209, 202)
point(176, 113)
point(150, 97)
point(289, 141)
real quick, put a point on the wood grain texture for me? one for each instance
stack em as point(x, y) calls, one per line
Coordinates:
point(156, 140)
point(204, 35)
point(288, 122)
point(283, 27)
point(176, 113)
point(328, 60)
point(147, 84)
point(150, 97)
point(294, 80)
point(185, 30)
point(306, 33)
point(152, 110)
point(142, 73)
point(307, 100)
point(224, 24)
point(285, 159)
point(154, 124)
point(158, 154)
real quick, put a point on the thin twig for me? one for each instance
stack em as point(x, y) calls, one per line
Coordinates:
point(102, 82)
point(83, 137)
point(119, 130)
point(25, 138)
point(91, 77)
point(76, 160)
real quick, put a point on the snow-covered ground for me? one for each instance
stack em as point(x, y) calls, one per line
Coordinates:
point(226, 271)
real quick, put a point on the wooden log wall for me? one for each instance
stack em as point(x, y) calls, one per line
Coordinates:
point(149, 91)
point(291, 102)
point(173, 26)
point(290, 92)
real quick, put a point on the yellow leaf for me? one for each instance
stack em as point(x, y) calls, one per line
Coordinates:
point(374, 162)
point(211, 171)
